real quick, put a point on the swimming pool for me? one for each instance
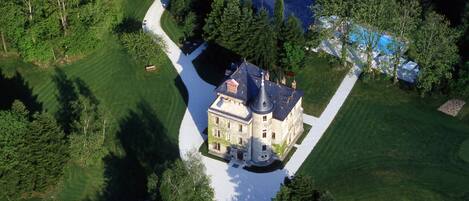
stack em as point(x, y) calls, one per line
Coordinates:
point(385, 42)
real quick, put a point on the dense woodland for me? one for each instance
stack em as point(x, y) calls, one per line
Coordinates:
point(51, 31)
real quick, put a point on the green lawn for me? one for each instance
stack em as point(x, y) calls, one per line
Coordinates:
point(319, 80)
point(389, 144)
point(146, 110)
point(171, 28)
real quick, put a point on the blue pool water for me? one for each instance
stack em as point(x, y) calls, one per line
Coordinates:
point(385, 42)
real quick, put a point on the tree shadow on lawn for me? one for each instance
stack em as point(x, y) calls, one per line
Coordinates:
point(16, 88)
point(148, 149)
point(128, 25)
point(69, 91)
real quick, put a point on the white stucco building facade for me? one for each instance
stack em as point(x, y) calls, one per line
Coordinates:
point(254, 120)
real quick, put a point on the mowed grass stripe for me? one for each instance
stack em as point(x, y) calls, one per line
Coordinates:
point(387, 144)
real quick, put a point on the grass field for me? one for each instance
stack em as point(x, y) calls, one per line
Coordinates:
point(389, 144)
point(171, 28)
point(319, 80)
point(146, 110)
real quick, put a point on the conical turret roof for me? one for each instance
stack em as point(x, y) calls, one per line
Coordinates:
point(262, 104)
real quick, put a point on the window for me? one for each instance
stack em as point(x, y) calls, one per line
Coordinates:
point(264, 134)
point(240, 128)
point(264, 118)
point(229, 125)
point(217, 120)
point(218, 133)
point(217, 146)
point(264, 147)
point(240, 141)
point(273, 135)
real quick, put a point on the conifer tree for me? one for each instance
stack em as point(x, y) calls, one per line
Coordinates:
point(264, 41)
point(213, 21)
point(279, 14)
point(245, 48)
point(248, 4)
point(230, 35)
point(48, 150)
point(293, 32)
point(13, 153)
point(32, 154)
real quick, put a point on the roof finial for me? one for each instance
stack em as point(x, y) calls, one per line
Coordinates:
point(262, 78)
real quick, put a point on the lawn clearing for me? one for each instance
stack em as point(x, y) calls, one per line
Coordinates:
point(146, 110)
point(319, 80)
point(389, 144)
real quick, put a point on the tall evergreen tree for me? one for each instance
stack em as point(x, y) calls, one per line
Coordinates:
point(229, 31)
point(179, 9)
point(48, 149)
point(246, 27)
point(291, 51)
point(293, 32)
point(265, 42)
point(279, 12)
point(248, 4)
point(32, 154)
point(190, 23)
point(14, 171)
point(213, 21)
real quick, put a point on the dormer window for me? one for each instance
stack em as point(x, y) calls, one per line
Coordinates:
point(264, 118)
point(232, 86)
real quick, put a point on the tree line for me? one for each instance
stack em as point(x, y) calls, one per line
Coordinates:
point(274, 43)
point(55, 30)
point(431, 41)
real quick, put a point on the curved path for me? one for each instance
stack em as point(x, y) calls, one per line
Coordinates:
point(228, 182)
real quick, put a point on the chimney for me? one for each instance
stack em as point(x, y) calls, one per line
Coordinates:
point(293, 84)
point(284, 80)
point(232, 86)
point(267, 75)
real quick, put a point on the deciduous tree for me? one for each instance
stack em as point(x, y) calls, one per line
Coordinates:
point(372, 18)
point(301, 188)
point(434, 49)
point(404, 24)
point(186, 180)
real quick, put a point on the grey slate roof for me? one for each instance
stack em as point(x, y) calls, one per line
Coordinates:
point(249, 78)
point(262, 103)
